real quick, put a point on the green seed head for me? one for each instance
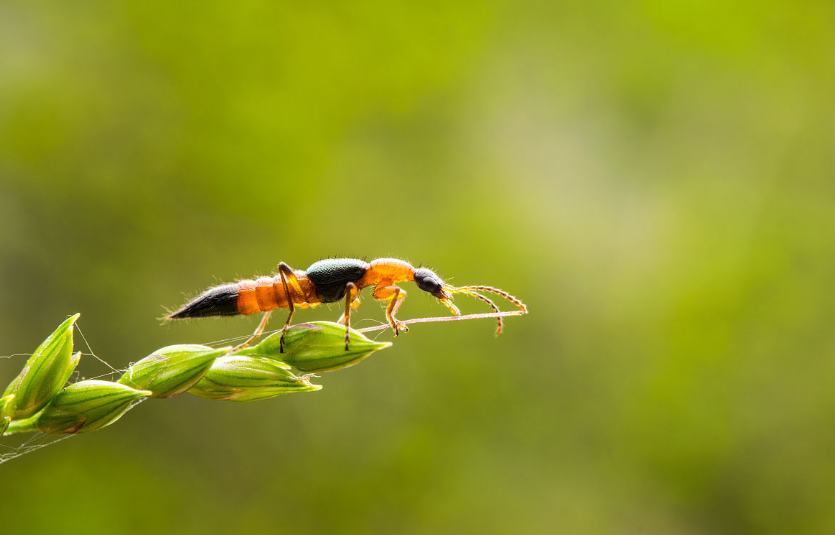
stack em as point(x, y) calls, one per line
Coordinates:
point(244, 378)
point(5, 419)
point(317, 347)
point(6, 405)
point(172, 370)
point(87, 406)
point(45, 373)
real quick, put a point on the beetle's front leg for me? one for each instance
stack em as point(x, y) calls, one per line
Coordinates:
point(395, 296)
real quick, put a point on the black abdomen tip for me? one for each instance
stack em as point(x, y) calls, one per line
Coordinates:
point(219, 301)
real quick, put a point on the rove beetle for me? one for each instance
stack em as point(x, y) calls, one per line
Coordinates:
point(329, 281)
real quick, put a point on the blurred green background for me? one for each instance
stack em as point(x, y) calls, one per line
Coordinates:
point(656, 180)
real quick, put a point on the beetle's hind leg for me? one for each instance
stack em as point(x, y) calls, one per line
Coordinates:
point(257, 332)
point(286, 274)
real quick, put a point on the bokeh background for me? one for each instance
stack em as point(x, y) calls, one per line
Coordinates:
point(655, 179)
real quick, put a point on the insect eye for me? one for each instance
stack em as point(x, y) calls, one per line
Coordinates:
point(429, 284)
point(427, 281)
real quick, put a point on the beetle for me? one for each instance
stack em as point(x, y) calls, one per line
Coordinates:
point(329, 281)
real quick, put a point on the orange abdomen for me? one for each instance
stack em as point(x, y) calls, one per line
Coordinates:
point(248, 297)
point(267, 293)
point(260, 295)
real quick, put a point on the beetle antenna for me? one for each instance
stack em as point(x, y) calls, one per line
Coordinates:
point(492, 305)
point(469, 290)
point(502, 293)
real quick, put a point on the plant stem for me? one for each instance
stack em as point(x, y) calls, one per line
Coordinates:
point(443, 318)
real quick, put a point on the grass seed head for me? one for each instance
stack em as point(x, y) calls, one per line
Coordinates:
point(5, 412)
point(318, 346)
point(249, 378)
point(87, 406)
point(171, 370)
point(45, 373)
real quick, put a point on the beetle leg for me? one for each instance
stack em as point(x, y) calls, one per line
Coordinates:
point(355, 304)
point(291, 280)
point(282, 271)
point(257, 332)
point(395, 296)
point(351, 293)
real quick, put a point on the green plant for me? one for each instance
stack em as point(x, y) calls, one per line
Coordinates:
point(38, 400)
